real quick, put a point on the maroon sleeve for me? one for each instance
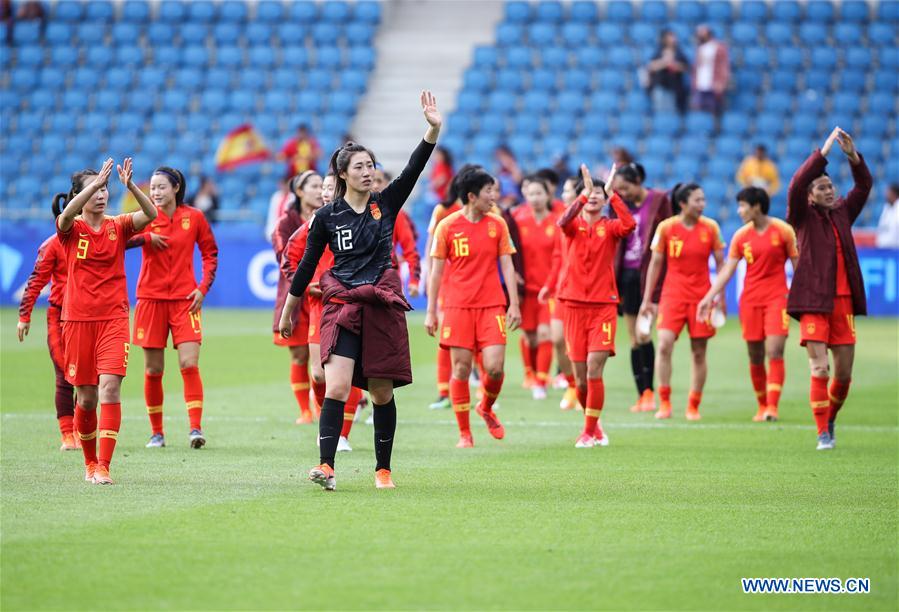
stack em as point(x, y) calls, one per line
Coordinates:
point(797, 192)
point(858, 195)
point(37, 280)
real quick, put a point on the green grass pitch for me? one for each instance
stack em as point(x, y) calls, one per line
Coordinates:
point(669, 516)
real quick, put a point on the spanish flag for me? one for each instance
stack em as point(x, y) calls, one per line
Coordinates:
point(129, 203)
point(243, 145)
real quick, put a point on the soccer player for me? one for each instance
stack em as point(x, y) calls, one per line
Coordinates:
point(827, 291)
point(587, 289)
point(364, 338)
point(766, 243)
point(307, 198)
point(539, 237)
point(440, 212)
point(95, 307)
point(467, 245)
point(291, 257)
point(169, 300)
point(649, 207)
point(684, 243)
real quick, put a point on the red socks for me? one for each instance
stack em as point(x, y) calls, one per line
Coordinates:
point(110, 421)
point(665, 394)
point(492, 387)
point(460, 397)
point(819, 402)
point(86, 426)
point(66, 424)
point(693, 400)
point(759, 380)
point(544, 361)
point(527, 358)
point(349, 410)
point(569, 378)
point(582, 393)
point(444, 371)
point(153, 397)
point(318, 390)
point(193, 395)
point(299, 383)
point(839, 389)
point(596, 395)
point(776, 376)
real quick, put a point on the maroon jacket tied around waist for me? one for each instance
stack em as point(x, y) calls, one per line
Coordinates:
point(815, 277)
point(378, 314)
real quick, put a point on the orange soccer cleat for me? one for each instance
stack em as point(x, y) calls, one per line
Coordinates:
point(323, 475)
point(648, 401)
point(465, 441)
point(101, 476)
point(760, 415)
point(529, 381)
point(692, 414)
point(664, 411)
point(89, 471)
point(383, 480)
point(493, 425)
point(68, 442)
point(305, 418)
point(771, 413)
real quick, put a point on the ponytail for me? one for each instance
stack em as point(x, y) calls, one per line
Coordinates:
point(681, 193)
point(78, 181)
point(59, 202)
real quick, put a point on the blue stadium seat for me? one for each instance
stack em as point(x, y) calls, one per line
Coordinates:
point(195, 34)
point(517, 12)
point(610, 80)
point(770, 123)
point(754, 11)
point(630, 123)
point(846, 34)
point(536, 101)
point(29, 188)
point(824, 57)
point(619, 11)
point(214, 101)
point(804, 124)
point(550, 11)
point(542, 34)
point(508, 34)
point(756, 58)
point(871, 147)
point(116, 78)
point(745, 33)
point(589, 56)
point(812, 34)
point(886, 80)
point(475, 79)
point(154, 146)
point(136, 11)
point(555, 58)
point(783, 80)
point(63, 121)
point(694, 147)
point(685, 168)
point(887, 11)
point(158, 34)
point(821, 12)
point(309, 102)
point(29, 123)
point(74, 100)
point(791, 58)
point(91, 33)
point(341, 102)
point(518, 57)
point(521, 145)
point(319, 80)
point(689, 11)
point(270, 11)
point(851, 81)
point(785, 11)
point(326, 34)
point(819, 80)
point(778, 102)
point(175, 101)
point(284, 79)
point(152, 78)
point(354, 81)
point(846, 103)
point(68, 11)
point(666, 124)
point(583, 11)
point(258, 33)
point(166, 123)
point(501, 101)
point(368, 11)
point(799, 147)
point(734, 123)
point(33, 55)
point(229, 57)
point(882, 34)
point(58, 33)
point(202, 11)
point(460, 124)
point(526, 124)
point(277, 101)
point(485, 57)
point(24, 79)
point(889, 57)
point(882, 103)
point(99, 10)
point(719, 10)
point(854, 11)
point(222, 33)
point(107, 101)
point(67, 57)
point(606, 103)
point(609, 34)
point(492, 124)
point(720, 168)
point(233, 11)
point(511, 81)
point(195, 56)
point(359, 33)
point(469, 102)
point(125, 34)
point(27, 33)
point(779, 33)
point(242, 101)
point(554, 147)
point(662, 146)
point(637, 101)
point(171, 11)
point(575, 34)
point(641, 31)
point(262, 56)
point(295, 56)
point(335, 11)
point(131, 56)
point(361, 58)
point(96, 123)
point(577, 80)
point(654, 11)
point(570, 102)
point(700, 123)
point(484, 144)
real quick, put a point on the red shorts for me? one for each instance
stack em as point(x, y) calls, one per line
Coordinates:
point(93, 348)
point(300, 335)
point(315, 318)
point(533, 313)
point(590, 329)
point(673, 316)
point(834, 328)
point(762, 320)
point(153, 319)
point(556, 309)
point(473, 328)
point(54, 336)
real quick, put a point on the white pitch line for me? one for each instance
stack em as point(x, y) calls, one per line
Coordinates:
point(29, 416)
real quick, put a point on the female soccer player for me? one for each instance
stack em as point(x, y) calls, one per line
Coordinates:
point(95, 307)
point(649, 207)
point(539, 237)
point(307, 192)
point(169, 300)
point(684, 243)
point(827, 291)
point(766, 244)
point(364, 338)
point(467, 245)
point(588, 291)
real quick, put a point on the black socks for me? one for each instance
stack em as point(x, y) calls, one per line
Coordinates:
point(329, 425)
point(648, 362)
point(385, 428)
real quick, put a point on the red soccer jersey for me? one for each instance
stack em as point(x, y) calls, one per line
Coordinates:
point(687, 251)
point(168, 274)
point(293, 255)
point(471, 276)
point(95, 269)
point(440, 213)
point(538, 239)
point(588, 251)
point(405, 237)
point(765, 255)
point(50, 267)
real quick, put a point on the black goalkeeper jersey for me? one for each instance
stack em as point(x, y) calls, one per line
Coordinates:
point(362, 243)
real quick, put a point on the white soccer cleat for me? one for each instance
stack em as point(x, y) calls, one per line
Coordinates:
point(585, 441)
point(343, 445)
point(538, 392)
point(371, 419)
point(603, 441)
point(825, 442)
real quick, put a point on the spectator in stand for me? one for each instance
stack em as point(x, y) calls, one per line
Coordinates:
point(277, 206)
point(758, 170)
point(509, 175)
point(711, 72)
point(667, 69)
point(300, 152)
point(620, 157)
point(888, 226)
point(206, 199)
point(441, 173)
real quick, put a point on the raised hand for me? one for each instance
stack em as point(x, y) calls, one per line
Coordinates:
point(588, 181)
point(126, 171)
point(103, 177)
point(429, 106)
point(825, 150)
point(847, 145)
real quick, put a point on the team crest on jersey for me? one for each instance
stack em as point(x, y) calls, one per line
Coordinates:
point(185, 223)
point(491, 229)
point(550, 230)
point(446, 333)
point(703, 236)
point(140, 333)
point(601, 231)
point(72, 370)
point(810, 328)
point(111, 234)
point(775, 240)
point(375, 211)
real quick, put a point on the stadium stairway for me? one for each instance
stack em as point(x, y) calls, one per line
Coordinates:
point(419, 45)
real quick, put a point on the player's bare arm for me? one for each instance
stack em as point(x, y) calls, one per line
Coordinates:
point(73, 208)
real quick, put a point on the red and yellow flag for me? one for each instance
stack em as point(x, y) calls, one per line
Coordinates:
point(128, 203)
point(243, 145)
